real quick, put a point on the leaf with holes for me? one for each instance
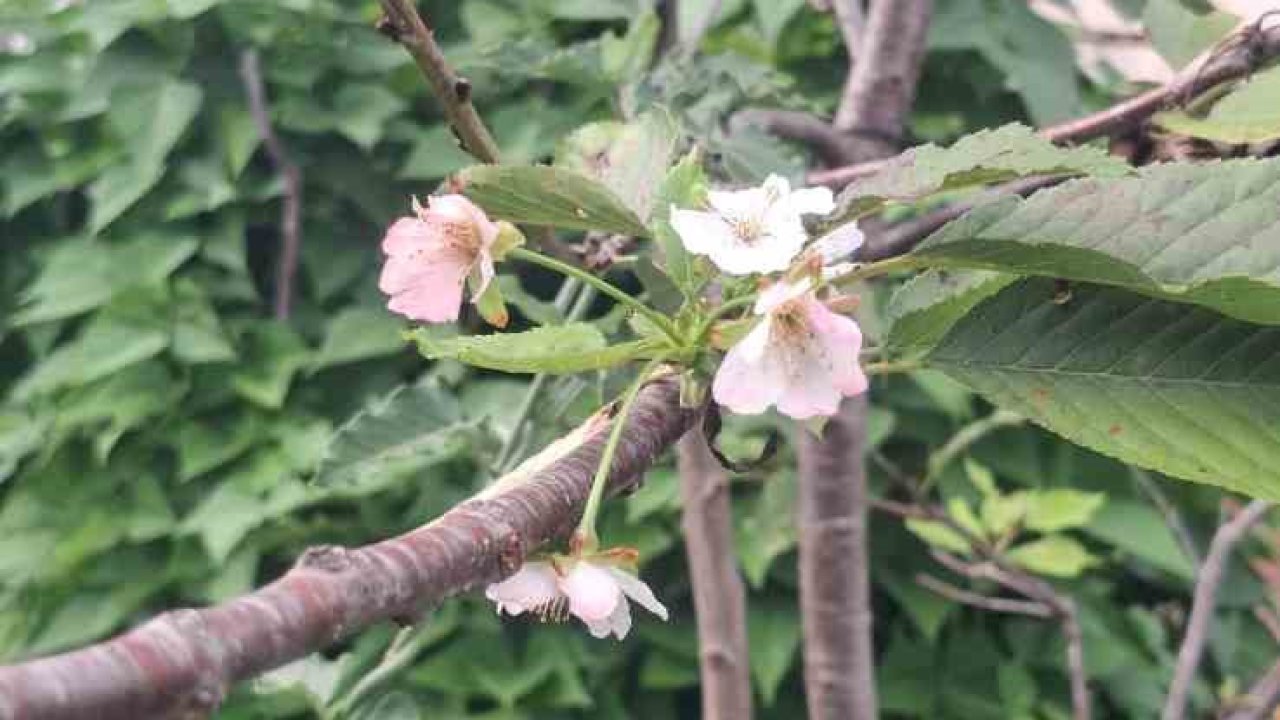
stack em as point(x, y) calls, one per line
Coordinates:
point(541, 195)
point(990, 156)
point(1175, 388)
point(1204, 234)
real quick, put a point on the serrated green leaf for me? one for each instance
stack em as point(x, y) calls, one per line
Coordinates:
point(685, 186)
point(107, 345)
point(773, 637)
point(359, 334)
point(1170, 387)
point(1250, 113)
point(411, 428)
point(1061, 509)
point(273, 354)
point(924, 308)
point(1195, 233)
point(985, 157)
point(630, 158)
point(1056, 555)
point(569, 348)
point(541, 195)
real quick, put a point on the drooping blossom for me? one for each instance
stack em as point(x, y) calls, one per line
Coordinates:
point(801, 357)
point(595, 592)
point(432, 255)
point(757, 230)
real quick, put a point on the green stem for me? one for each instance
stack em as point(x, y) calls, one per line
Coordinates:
point(658, 319)
point(403, 650)
point(720, 312)
point(888, 367)
point(587, 526)
point(876, 269)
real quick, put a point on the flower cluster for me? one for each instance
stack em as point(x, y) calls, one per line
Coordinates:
point(801, 357)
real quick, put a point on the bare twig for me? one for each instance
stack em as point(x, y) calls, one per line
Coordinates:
point(1261, 700)
point(403, 23)
point(182, 663)
point(1172, 517)
point(1204, 603)
point(832, 146)
point(984, 602)
point(291, 210)
point(719, 600)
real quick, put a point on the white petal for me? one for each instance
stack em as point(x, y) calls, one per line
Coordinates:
point(533, 586)
point(637, 590)
point(593, 593)
point(739, 204)
point(618, 623)
point(812, 201)
point(752, 376)
point(838, 244)
point(703, 233)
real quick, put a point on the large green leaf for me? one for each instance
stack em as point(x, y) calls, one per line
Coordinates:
point(409, 429)
point(923, 309)
point(1171, 387)
point(541, 195)
point(985, 157)
point(1204, 234)
point(629, 158)
point(1249, 114)
point(1182, 29)
point(569, 348)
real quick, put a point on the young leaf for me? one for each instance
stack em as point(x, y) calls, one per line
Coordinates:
point(1197, 233)
point(570, 348)
point(989, 156)
point(1249, 114)
point(407, 430)
point(1056, 555)
point(1061, 509)
point(938, 534)
point(1170, 387)
point(541, 195)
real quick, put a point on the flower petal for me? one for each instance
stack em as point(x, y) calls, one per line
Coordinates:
point(703, 233)
point(593, 593)
point(431, 300)
point(843, 341)
point(812, 201)
point(753, 375)
point(533, 586)
point(779, 293)
point(405, 236)
point(637, 590)
point(838, 244)
point(618, 623)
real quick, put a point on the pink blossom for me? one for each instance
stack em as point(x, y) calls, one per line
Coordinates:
point(802, 357)
point(432, 255)
point(595, 592)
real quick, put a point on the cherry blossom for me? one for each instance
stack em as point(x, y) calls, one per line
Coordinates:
point(801, 357)
point(757, 230)
point(593, 591)
point(432, 255)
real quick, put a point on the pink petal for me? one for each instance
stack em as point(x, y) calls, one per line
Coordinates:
point(618, 623)
point(636, 589)
point(780, 292)
point(532, 587)
point(843, 341)
point(426, 285)
point(460, 209)
point(753, 374)
point(405, 236)
point(593, 594)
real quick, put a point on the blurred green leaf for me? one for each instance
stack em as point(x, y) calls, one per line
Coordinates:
point(773, 639)
point(1250, 113)
point(359, 334)
point(1181, 29)
point(568, 348)
point(938, 534)
point(541, 195)
point(1061, 509)
point(1056, 555)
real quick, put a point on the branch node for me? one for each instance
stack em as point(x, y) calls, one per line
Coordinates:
point(462, 89)
point(326, 558)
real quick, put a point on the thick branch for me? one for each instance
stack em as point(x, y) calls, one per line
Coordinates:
point(291, 210)
point(1204, 603)
point(719, 601)
point(835, 590)
point(405, 24)
point(182, 663)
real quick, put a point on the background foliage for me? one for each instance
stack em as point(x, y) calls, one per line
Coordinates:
point(158, 425)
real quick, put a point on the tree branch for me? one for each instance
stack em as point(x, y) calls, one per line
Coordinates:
point(182, 663)
point(719, 601)
point(1232, 61)
point(1260, 700)
point(403, 23)
point(1007, 606)
point(1172, 517)
point(291, 211)
point(831, 146)
point(1203, 604)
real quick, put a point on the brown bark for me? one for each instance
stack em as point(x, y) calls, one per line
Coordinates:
point(719, 600)
point(182, 663)
point(835, 587)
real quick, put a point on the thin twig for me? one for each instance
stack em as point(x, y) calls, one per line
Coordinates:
point(403, 23)
point(1203, 604)
point(1261, 700)
point(985, 602)
point(1172, 517)
point(831, 146)
point(404, 649)
point(291, 210)
point(719, 600)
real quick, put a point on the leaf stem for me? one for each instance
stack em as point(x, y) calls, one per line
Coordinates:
point(658, 319)
point(876, 269)
point(402, 651)
point(720, 312)
point(889, 367)
point(587, 526)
